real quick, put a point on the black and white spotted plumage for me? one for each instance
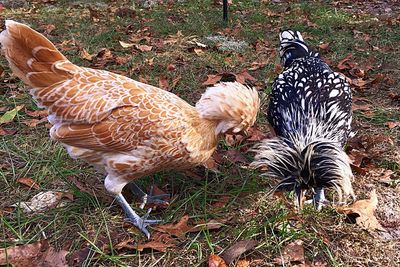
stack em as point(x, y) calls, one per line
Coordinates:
point(310, 112)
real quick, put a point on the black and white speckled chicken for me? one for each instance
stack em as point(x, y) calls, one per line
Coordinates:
point(310, 112)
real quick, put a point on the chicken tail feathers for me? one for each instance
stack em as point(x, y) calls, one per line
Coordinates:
point(32, 57)
point(320, 164)
point(293, 47)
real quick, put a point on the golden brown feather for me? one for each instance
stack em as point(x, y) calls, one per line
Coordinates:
point(130, 128)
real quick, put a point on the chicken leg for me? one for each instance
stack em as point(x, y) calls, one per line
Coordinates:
point(319, 198)
point(136, 220)
point(147, 198)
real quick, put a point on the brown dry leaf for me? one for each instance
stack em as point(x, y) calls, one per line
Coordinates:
point(4, 132)
point(144, 48)
point(211, 164)
point(78, 257)
point(37, 113)
point(202, 226)
point(178, 229)
point(84, 54)
point(324, 46)
point(344, 64)
point(364, 210)
point(181, 228)
point(35, 255)
point(221, 202)
point(363, 107)
point(48, 28)
point(163, 82)
point(212, 79)
point(170, 67)
point(238, 249)
point(244, 76)
point(254, 134)
point(233, 139)
point(216, 261)
point(357, 157)
point(293, 253)
point(121, 60)
point(34, 122)
point(156, 245)
point(235, 156)
point(243, 263)
point(126, 45)
point(28, 182)
point(257, 65)
point(392, 124)
point(125, 244)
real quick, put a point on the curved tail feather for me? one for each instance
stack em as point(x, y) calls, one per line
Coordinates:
point(32, 57)
point(293, 47)
point(320, 164)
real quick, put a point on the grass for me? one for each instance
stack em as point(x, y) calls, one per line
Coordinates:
point(93, 221)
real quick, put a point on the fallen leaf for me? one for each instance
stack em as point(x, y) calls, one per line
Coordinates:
point(43, 201)
point(392, 124)
point(125, 244)
point(324, 46)
point(10, 115)
point(243, 263)
point(48, 28)
point(344, 64)
point(35, 255)
point(293, 253)
point(216, 261)
point(78, 257)
point(163, 82)
point(126, 45)
point(235, 156)
point(244, 76)
point(171, 67)
point(212, 79)
point(238, 249)
point(363, 211)
point(144, 48)
point(363, 107)
point(160, 246)
point(233, 139)
point(4, 132)
point(181, 228)
point(84, 54)
point(121, 60)
point(221, 201)
point(254, 134)
point(357, 157)
point(28, 182)
point(37, 113)
point(34, 122)
point(257, 65)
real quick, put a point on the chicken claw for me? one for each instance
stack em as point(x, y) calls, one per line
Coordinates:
point(148, 198)
point(134, 218)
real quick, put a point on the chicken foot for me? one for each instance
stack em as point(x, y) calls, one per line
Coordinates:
point(147, 198)
point(136, 220)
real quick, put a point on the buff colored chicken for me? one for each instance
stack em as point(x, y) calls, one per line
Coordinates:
point(128, 128)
